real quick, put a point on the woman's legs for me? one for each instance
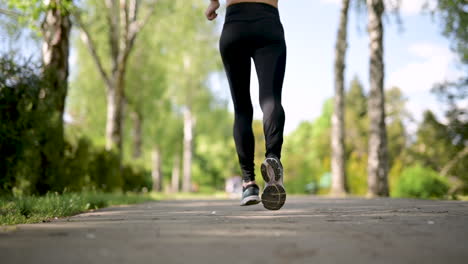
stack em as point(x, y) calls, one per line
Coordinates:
point(270, 63)
point(254, 30)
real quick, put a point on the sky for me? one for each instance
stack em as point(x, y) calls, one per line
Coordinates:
point(416, 57)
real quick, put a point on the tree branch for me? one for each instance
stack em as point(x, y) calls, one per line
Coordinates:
point(446, 169)
point(134, 28)
point(86, 37)
point(133, 10)
point(113, 22)
point(9, 13)
point(137, 25)
point(124, 20)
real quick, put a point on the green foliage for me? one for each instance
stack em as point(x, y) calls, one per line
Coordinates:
point(25, 121)
point(433, 147)
point(356, 132)
point(420, 182)
point(397, 115)
point(15, 100)
point(454, 19)
point(31, 12)
point(357, 124)
point(165, 73)
point(86, 100)
point(136, 179)
point(306, 152)
point(356, 171)
point(394, 174)
point(28, 141)
point(437, 145)
point(103, 169)
point(307, 149)
point(299, 160)
point(94, 168)
point(215, 155)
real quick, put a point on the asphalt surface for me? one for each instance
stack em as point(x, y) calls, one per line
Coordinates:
point(305, 230)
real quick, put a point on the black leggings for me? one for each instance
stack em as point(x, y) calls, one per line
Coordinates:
point(254, 30)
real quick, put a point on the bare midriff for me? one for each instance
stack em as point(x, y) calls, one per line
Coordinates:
point(270, 2)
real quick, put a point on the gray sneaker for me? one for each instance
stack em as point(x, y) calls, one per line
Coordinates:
point(274, 194)
point(250, 195)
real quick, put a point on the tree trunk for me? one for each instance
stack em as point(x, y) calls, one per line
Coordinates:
point(115, 102)
point(188, 143)
point(156, 172)
point(137, 134)
point(56, 28)
point(175, 173)
point(377, 168)
point(338, 163)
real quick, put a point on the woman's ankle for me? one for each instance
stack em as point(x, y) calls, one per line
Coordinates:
point(245, 183)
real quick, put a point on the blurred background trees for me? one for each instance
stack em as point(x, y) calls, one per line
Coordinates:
point(138, 113)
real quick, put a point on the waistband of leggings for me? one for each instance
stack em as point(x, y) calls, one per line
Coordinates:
point(251, 8)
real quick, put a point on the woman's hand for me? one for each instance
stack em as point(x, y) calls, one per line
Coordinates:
point(211, 10)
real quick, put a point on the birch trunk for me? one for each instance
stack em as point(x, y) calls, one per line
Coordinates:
point(115, 102)
point(377, 168)
point(188, 144)
point(137, 134)
point(175, 173)
point(156, 172)
point(339, 187)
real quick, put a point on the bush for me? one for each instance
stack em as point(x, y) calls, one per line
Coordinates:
point(32, 160)
point(420, 182)
point(21, 120)
point(136, 178)
point(76, 165)
point(104, 170)
point(95, 168)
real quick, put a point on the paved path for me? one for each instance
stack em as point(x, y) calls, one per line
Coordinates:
point(306, 230)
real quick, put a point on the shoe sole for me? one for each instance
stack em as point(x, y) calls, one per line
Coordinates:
point(250, 200)
point(274, 194)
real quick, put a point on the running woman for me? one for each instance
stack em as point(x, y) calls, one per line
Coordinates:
point(252, 29)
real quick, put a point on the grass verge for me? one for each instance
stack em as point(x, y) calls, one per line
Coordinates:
point(34, 209)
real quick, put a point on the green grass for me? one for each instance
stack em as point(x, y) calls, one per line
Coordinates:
point(34, 209)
